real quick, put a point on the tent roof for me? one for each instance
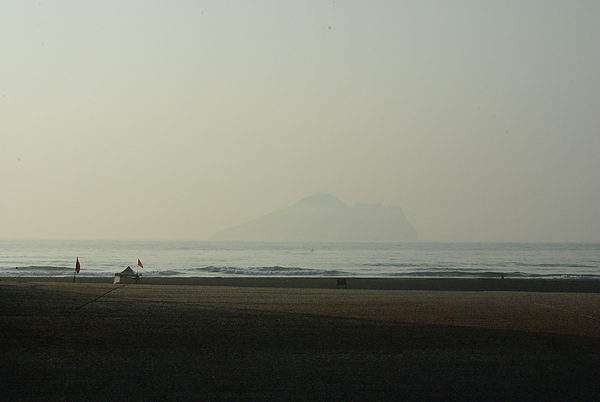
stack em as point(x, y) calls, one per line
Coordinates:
point(128, 271)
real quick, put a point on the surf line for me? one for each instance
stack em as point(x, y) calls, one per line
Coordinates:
point(101, 296)
point(566, 311)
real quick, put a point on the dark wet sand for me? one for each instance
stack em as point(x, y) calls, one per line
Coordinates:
point(299, 339)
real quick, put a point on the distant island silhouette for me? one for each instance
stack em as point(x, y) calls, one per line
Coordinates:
point(324, 218)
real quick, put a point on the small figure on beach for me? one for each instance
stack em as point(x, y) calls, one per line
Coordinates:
point(501, 276)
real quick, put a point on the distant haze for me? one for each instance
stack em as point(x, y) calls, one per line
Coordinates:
point(180, 119)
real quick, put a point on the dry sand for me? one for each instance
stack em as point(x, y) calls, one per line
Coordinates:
point(299, 339)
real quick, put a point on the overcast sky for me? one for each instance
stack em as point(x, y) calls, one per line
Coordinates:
point(176, 119)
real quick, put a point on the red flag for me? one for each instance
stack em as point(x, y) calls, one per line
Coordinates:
point(140, 264)
point(77, 266)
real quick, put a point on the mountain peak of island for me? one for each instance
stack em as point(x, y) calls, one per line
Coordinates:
point(322, 217)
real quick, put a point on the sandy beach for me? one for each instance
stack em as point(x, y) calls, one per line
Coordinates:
point(299, 339)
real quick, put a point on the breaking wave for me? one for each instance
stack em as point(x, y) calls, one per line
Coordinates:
point(269, 271)
point(489, 274)
point(44, 268)
point(496, 265)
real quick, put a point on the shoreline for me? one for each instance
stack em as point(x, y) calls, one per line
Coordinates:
point(370, 283)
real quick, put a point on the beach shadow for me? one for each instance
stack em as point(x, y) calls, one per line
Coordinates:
point(127, 349)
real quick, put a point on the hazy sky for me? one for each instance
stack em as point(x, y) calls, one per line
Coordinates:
point(176, 119)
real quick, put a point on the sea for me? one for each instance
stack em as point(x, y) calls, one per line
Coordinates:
point(57, 258)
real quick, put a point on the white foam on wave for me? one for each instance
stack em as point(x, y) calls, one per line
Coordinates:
point(269, 271)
